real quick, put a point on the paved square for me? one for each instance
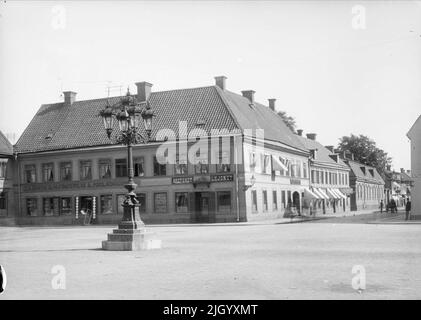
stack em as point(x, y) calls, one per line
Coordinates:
point(248, 261)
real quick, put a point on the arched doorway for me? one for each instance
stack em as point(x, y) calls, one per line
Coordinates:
point(296, 201)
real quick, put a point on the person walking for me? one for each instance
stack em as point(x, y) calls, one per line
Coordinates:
point(407, 209)
point(381, 206)
point(393, 206)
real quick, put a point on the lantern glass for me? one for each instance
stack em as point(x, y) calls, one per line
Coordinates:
point(124, 121)
point(108, 121)
point(147, 121)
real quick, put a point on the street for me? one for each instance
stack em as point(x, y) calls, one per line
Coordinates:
point(310, 260)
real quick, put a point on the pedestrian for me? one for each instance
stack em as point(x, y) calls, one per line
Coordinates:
point(393, 205)
point(381, 206)
point(407, 209)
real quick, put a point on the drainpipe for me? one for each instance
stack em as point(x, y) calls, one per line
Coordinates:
point(236, 180)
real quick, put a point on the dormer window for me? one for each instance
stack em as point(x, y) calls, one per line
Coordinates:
point(371, 172)
point(363, 169)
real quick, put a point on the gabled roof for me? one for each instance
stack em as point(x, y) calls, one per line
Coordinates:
point(323, 154)
point(6, 148)
point(356, 168)
point(411, 131)
point(58, 126)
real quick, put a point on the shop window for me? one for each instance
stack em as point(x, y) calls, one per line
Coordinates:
point(32, 207)
point(47, 172)
point(254, 200)
point(265, 200)
point(181, 202)
point(224, 201)
point(283, 199)
point(66, 206)
point(65, 171)
point(30, 173)
point(86, 170)
point(141, 197)
point(48, 206)
point(3, 203)
point(158, 168)
point(160, 202)
point(121, 168)
point(139, 166)
point(104, 168)
point(274, 200)
point(106, 205)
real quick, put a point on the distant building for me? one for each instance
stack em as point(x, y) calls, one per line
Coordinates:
point(367, 185)
point(65, 162)
point(329, 178)
point(415, 135)
point(397, 185)
point(6, 179)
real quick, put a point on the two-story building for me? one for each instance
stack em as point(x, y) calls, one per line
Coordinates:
point(233, 160)
point(329, 178)
point(6, 181)
point(414, 134)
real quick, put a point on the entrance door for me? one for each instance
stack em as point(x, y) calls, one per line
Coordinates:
point(296, 201)
point(86, 209)
point(202, 207)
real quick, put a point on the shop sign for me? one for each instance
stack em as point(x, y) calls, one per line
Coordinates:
point(295, 181)
point(182, 180)
point(222, 178)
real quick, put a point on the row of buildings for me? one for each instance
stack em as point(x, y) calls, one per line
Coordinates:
point(64, 163)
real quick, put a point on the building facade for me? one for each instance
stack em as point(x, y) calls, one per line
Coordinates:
point(367, 186)
point(232, 159)
point(414, 135)
point(6, 180)
point(329, 178)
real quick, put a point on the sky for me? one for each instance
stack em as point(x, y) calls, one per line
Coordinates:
point(337, 67)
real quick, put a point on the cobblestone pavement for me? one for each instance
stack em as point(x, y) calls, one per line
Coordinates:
point(248, 261)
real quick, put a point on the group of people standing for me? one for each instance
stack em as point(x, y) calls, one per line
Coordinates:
point(394, 208)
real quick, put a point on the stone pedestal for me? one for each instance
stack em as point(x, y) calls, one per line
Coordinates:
point(126, 239)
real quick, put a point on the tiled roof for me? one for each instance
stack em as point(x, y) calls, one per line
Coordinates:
point(323, 154)
point(80, 125)
point(357, 171)
point(56, 126)
point(260, 117)
point(6, 147)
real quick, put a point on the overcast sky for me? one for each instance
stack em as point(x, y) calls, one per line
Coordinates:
point(334, 74)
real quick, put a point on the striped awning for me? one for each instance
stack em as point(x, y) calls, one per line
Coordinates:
point(333, 194)
point(310, 194)
point(320, 193)
point(277, 164)
point(324, 194)
point(339, 193)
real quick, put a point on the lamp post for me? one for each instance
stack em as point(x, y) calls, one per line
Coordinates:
point(130, 234)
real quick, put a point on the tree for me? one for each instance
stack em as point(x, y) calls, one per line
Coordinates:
point(288, 120)
point(365, 151)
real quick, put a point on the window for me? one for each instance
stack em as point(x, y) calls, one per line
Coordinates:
point(274, 200)
point(224, 201)
point(283, 199)
point(30, 173)
point(159, 169)
point(326, 177)
point(291, 169)
point(121, 168)
point(48, 206)
point(3, 200)
point(224, 162)
point(160, 202)
point(120, 200)
point(298, 168)
point(86, 170)
point(266, 163)
point(65, 171)
point(265, 200)
point(31, 207)
point(181, 202)
point(104, 168)
point(181, 164)
point(305, 170)
point(139, 167)
point(47, 172)
point(313, 179)
point(253, 161)
point(141, 197)
point(322, 177)
point(201, 166)
point(106, 204)
point(3, 169)
point(66, 206)
point(289, 200)
point(254, 200)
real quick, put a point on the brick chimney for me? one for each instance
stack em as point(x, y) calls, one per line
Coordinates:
point(402, 170)
point(330, 148)
point(311, 136)
point(143, 90)
point(272, 104)
point(220, 81)
point(69, 97)
point(249, 94)
point(300, 132)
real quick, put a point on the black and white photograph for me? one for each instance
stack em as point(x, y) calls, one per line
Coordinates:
point(210, 155)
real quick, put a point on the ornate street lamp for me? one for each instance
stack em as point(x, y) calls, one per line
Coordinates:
point(130, 234)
